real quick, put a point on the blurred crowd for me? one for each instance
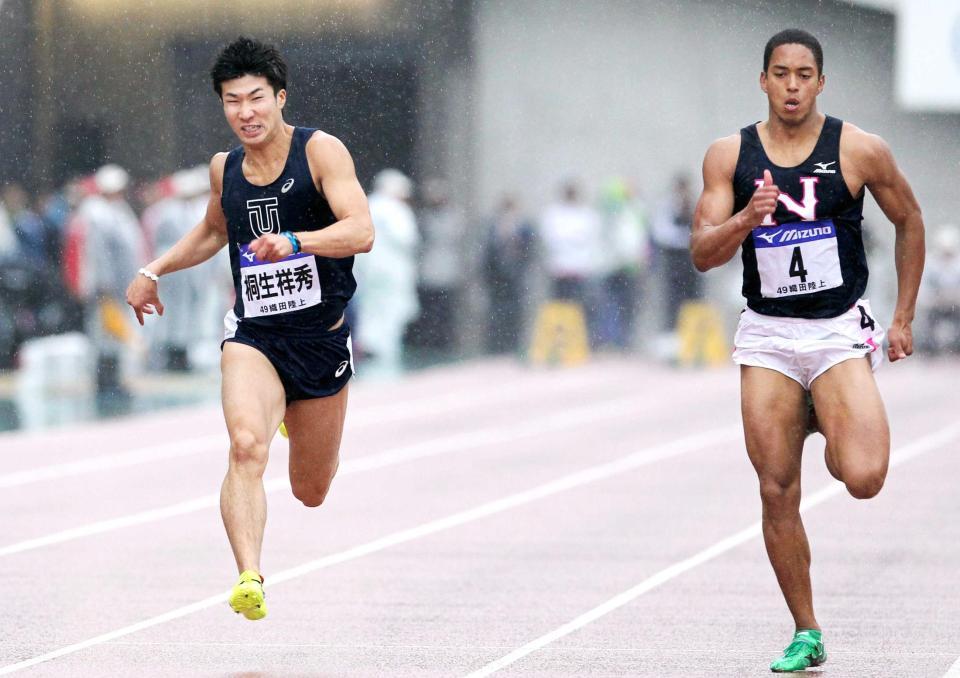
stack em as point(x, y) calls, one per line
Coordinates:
point(436, 276)
point(67, 257)
point(439, 283)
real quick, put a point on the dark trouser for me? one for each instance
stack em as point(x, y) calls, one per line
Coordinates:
point(503, 333)
point(619, 309)
point(435, 328)
point(681, 283)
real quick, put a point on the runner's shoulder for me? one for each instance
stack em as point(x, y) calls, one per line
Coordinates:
point(217, 164)
point(323, 145)
point(862, 146)
point(721, 156)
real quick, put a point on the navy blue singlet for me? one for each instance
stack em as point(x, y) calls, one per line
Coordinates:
point(302, 291)
point(807, 261)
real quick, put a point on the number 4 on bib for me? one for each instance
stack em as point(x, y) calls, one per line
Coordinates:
point(800, 257)
point(796, 265)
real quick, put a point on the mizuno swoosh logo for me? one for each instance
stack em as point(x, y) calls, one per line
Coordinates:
point(824, 165)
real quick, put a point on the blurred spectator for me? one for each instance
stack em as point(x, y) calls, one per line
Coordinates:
point(941, 292)
point(387, 276)
point(8, 239)
point(571, 235)
point(35, 243)
point(113, 251)
point(507, 257)
point(8, 252)
point(171, 215)
point(626, 248)
point(442, 272)
point(672, 222)
point(212, 278)
point(54, 208)
point(32, 302)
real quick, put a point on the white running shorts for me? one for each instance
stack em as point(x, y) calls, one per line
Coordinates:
point(803, 348)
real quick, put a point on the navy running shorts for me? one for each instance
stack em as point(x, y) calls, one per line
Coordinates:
point(310, 364)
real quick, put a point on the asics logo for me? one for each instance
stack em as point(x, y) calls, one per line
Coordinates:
point(286, 186)
point(822, 167)
point(342, 368)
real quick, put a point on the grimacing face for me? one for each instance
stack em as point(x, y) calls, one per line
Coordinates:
point(254, 112)
point(792, 83)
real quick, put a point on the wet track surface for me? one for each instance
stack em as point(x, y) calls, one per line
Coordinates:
point(479, 509)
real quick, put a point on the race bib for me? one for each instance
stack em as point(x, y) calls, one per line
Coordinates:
point(279, 287)
point(797, 258)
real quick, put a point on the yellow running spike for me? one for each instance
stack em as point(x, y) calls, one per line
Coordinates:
point(247, 597)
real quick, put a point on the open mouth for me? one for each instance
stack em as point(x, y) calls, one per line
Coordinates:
point(251, 130)
point(792, 104)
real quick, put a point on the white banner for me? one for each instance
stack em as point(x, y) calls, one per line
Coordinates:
point(928, 55)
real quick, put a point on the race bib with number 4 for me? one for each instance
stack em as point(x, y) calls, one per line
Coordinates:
point(797, 258)
point(279, 287)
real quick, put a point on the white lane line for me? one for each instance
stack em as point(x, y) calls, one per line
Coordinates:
point(574, 480)
point(953, 671)
point(925, 444)
point(412, 409)
point(453, 444)
point(104, 462)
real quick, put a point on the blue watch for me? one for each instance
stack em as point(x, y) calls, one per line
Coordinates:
point(294, 241)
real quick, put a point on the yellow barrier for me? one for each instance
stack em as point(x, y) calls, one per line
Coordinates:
point(701, 335)
point(560, 335)
point(115, 320)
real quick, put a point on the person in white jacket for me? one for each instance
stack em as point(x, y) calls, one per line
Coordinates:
point(114, 248)
point(386, 301)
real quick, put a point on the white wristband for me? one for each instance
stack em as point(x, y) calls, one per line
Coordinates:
point(153, 276)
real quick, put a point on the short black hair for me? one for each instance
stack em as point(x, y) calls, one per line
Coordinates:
point(794, 36)
point(246, 56)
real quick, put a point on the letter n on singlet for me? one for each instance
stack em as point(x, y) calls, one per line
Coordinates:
point(807, 210)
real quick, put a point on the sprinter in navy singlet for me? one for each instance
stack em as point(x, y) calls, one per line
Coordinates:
point(303, 290)
point(288, 206)
point(788, 193)
point(806, 260)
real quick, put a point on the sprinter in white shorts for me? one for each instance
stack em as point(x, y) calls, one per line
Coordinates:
point(788, 193)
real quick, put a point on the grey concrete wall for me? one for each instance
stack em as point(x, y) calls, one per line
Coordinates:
point(16, 105)
point(640, 88)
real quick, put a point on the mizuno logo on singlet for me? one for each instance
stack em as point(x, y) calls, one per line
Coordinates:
point(804, 233)
point(769, 236)
point(792, 234)
point(822, 167)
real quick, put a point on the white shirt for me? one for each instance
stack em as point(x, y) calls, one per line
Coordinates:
point(572, 239)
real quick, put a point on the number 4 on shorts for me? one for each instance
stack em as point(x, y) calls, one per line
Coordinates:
point(865, 320)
